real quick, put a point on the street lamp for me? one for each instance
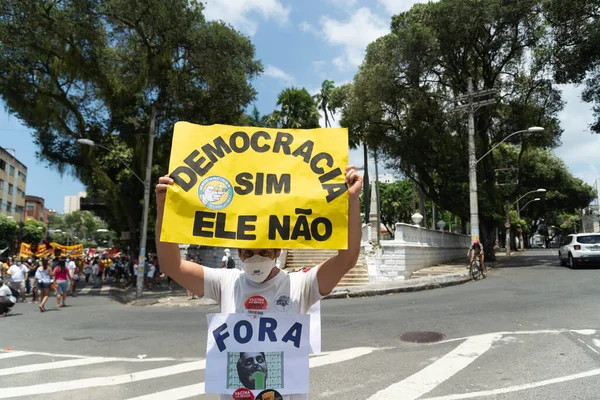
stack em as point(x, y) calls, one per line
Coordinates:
point(473, 202)
point(507, 224)
point(146, 183)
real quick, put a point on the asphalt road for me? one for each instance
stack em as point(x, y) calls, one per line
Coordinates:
point(531, 330)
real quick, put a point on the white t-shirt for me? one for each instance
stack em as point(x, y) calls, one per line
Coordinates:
point(7, 294)
point(292, 293)
point(151, 271)
point(42, 275)
point(73, 273)
point(224, 259)
point(17, 273)
point(95, 268)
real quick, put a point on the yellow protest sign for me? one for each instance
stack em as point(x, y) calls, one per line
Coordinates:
point(251, 187)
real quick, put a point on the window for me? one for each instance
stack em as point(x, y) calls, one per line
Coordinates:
point(10, 189)
point(11, 170)
point(8, 207)
point(22, 176)
point(1, 184)
point(19, 209)
point(30, 208)
point(21, 193)
point(595, 239)
point(3, 165)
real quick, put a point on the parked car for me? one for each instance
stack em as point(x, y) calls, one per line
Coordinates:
point(580, 248)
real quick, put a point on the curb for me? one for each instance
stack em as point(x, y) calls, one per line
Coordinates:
point(451, 280)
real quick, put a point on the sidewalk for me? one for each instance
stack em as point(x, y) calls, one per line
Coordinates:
point(438, 276)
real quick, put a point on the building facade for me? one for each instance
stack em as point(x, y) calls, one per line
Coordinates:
point(13, 182)
point(72, 203)
point(34, 209)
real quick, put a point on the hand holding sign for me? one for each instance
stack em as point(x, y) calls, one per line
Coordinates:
point(354, 182)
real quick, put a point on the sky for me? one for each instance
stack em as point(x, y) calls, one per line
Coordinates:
point(302, 43)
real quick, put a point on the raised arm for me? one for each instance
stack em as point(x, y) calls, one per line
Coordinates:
point(333, 270)
point(188, 274)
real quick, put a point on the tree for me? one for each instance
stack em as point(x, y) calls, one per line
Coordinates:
point(82, 223)
point(575, 48)
point(95, 69)
point(323, 99)
point(411, 78)
point(56, 221)
point(8, 232)
point(298, 110)
point(344, 98)
point(32, 231)
point(395, 203)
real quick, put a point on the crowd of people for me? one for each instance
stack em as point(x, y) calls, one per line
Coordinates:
point(38, 277)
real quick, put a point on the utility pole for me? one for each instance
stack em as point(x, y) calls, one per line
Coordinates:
point(147, 178)
point(473, 102)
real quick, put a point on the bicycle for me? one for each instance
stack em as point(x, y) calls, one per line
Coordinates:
point(476, 271)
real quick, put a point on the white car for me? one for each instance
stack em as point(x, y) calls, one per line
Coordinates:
point(579, 249)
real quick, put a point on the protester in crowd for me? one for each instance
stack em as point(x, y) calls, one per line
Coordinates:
point(150, 276)
point(7, 299)
point(17, 273)
point(95, 271)
point(61, 275)
point(87, 270)
point(33, 266)
point(43, 278)
point(74, 275)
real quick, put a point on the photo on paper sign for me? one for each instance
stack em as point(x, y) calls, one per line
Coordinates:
point(255, 370)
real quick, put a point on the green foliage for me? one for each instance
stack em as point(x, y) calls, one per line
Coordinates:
point(410, 79)
point(297, 110)
point(8, 231)
point(323, 99)
point(32, 231)
point(575, 49)
point(95, 68)
point(65, 238)
point(395, 203)
point(82, 223)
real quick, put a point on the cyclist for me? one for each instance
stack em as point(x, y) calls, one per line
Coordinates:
point(476, 250)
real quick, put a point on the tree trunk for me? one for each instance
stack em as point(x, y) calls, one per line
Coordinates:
point(366, 187)
point(486, 235)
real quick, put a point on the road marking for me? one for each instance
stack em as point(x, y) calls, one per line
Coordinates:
point(434, 374)
point(105, 288)
point(340, 356)
point(85, 290)
point(125, 359)
point(12, 354)
point(517, 388)
point(586, 332)
point(19, 391)
point(53, 365)
point(596, 342)
point(183, 392)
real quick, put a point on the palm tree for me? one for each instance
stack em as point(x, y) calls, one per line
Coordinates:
point(323, 100)
point(297, 110)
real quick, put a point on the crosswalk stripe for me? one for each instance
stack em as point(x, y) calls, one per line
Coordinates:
point(340, 356)
point(53, 365)
point(183, 392)
point(13, 354)
point(443, 369)
point(85, 290)
point(114, 380)
point(105, 288)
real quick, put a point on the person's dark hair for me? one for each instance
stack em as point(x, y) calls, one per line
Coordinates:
point(61, 265)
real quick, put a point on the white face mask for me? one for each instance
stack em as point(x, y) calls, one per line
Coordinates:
point(18, 262)
point(258, 268)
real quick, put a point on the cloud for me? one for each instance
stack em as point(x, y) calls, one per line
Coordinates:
point(276, 73)
point(353, 34)
point(305, 26)
point(346, 4)
point(394, 7)
point(235, 12)
point(580, 147)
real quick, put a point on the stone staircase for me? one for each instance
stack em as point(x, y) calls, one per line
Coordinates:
point(298, 259)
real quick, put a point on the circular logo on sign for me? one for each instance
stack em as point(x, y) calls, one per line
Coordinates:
point(283, 302)
point(269, 394)
point(243, 394)
point(215, 192)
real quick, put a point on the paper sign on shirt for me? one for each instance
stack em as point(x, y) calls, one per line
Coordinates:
point(251, 187)
point(257, 353)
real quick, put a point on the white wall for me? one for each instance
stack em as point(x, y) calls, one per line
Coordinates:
point(413, 248)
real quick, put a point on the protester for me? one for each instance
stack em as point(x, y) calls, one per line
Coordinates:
point(43, 278)
point(227, 261)
point(87, 270)
point(232, 288)
point(74, 275)
point(17, 273)
point(61, 274)
point(150, 276)
point(33, 266)
point(7, 300)
point(95, 271)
